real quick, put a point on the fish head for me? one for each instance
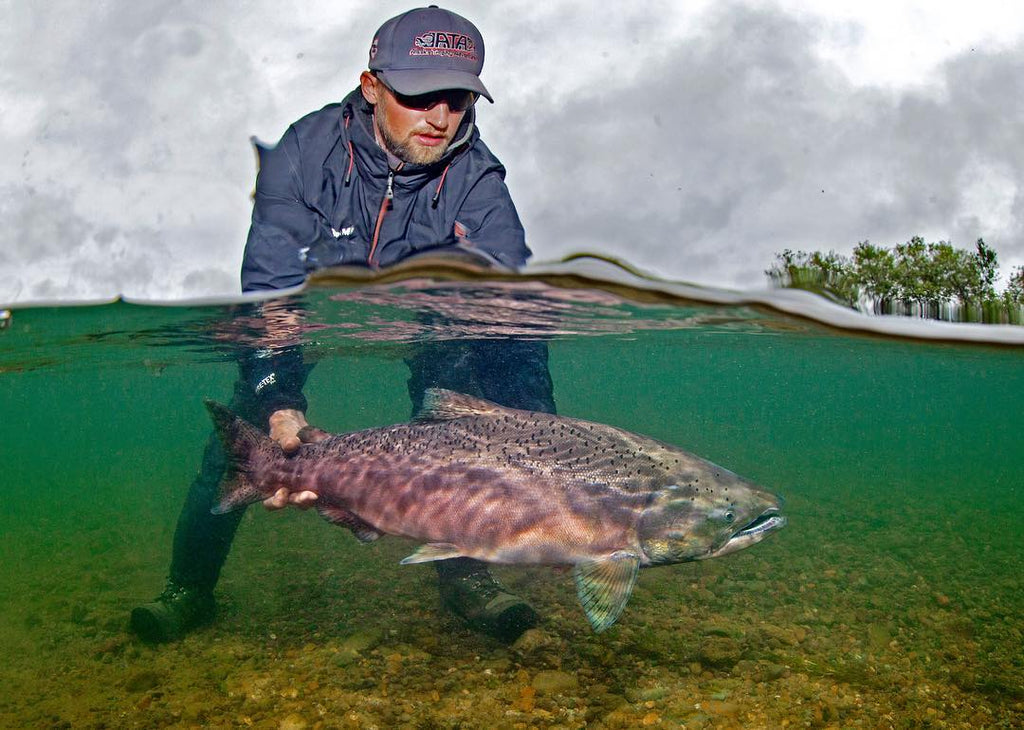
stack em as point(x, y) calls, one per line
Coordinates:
point(707, 519)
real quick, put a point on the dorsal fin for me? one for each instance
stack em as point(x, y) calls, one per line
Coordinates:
point(443, 405)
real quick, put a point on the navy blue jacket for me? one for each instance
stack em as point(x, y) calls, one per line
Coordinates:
point(328, 195)
point(323, 187)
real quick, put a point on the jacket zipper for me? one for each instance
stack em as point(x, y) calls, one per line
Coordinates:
point(385, 205)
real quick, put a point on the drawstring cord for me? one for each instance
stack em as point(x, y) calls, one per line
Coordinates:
point(437, 193)
point(351, 151)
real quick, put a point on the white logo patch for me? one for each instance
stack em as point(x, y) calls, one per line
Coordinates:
point(269, 380)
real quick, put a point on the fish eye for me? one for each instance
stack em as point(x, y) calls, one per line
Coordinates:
point(729, 517)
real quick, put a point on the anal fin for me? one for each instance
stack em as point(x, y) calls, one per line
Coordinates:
point(433, 551)
point(604, 586)
point(363, 531)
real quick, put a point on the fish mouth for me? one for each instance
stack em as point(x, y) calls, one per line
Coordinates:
point(769, 520)
point(753, 532)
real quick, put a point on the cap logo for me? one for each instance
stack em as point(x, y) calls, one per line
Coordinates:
point(373, 48)
point(443, 43)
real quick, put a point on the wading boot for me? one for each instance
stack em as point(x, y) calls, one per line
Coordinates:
point(470, 592)
point(173, 614)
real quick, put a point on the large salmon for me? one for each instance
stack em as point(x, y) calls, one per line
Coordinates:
point(470, 478)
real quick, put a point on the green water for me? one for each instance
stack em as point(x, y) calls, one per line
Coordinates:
point(894, 598)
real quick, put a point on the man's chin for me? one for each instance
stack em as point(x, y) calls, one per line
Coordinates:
point(424, 154)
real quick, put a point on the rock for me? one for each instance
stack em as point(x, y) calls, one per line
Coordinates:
point(722, 709)
point(113, 647)
point(719, 651)
point(353, 647)
point(760, 671)
point(345, 657)
point(711, 628)
point(293, 722)
point(536, 648)
point(142, 681)
point(361, 641)
point(533, 640)
point(554, 682)
point(789, 635)
point(654, 694)
point(879, 637)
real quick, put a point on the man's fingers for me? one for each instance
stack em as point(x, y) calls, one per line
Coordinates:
point(282, 498)
point(312, 434)
point(303, 500)
point(285, 425)
point(279, 500)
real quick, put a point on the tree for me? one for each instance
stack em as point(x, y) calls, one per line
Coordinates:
point(1014, 293)
point(825, 273)
point(874, 271)
point(916, 277)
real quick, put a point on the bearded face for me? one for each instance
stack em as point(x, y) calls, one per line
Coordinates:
point(419, 136)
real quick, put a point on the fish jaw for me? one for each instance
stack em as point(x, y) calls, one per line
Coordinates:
point(769, 521)
point(685, 524)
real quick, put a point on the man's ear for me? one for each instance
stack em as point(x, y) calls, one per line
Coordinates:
point(368, 84)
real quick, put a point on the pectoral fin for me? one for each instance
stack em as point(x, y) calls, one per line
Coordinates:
point(433, 551)
point(604, 586)
point(364, 531)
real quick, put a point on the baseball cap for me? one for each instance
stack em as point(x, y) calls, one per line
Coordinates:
point(429, 49)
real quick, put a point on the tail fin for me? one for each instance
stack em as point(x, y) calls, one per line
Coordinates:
point(242, 442)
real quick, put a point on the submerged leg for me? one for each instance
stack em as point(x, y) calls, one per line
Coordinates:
point(201, 544)
point(512, 373)
point(470, 592)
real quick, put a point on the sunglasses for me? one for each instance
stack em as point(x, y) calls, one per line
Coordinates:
point(458, 100)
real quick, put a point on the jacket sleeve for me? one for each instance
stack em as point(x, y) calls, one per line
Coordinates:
point(283, 226)
point(272, 366)
point(275, 377)
point(487, 220)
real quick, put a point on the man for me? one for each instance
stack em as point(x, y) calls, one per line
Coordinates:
point(397, 168)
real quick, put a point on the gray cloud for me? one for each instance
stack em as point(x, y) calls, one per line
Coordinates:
point(741, 142)
point(127, 167)
point(127, 180)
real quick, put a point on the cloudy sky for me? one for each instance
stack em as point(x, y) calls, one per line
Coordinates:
point(694, 139)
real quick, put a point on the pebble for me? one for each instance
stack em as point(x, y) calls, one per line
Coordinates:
point(142, 681)
point(361, 641)
point(719, 651)
point(554, 682)
point(293, 722)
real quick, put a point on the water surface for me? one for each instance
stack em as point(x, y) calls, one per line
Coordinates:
point(892, 599)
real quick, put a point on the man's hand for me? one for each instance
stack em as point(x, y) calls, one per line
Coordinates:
point(290, 430)
point(282, 498)
point(285, 426)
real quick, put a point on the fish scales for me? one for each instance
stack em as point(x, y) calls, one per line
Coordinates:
point(491, 511)
point(470, 478)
